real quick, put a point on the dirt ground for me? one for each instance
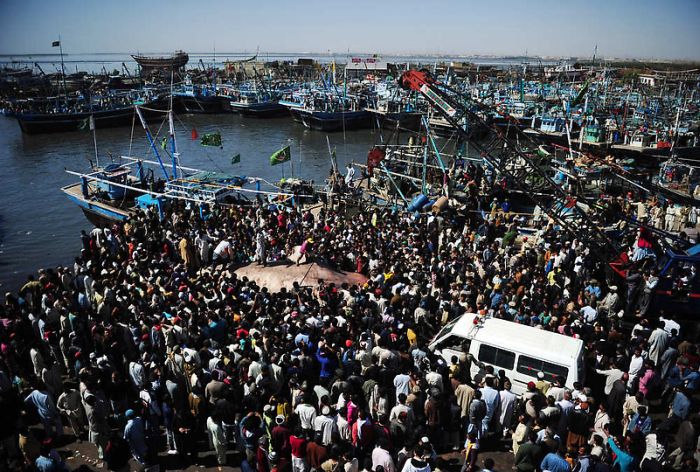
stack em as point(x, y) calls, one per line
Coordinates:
point(83, 456)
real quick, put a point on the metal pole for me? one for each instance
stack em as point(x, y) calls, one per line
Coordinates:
point(152, 143)
point(63, 69)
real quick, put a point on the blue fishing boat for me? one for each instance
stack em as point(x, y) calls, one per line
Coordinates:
point(199, 99)
point(55, 116)
point(252, 102)
point(330, 112)
point(115, 192)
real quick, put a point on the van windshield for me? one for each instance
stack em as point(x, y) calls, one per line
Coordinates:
point(446, 329)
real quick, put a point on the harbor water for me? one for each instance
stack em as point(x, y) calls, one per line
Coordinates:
point(40, 227)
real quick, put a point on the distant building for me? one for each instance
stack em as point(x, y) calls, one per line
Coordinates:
point(648, 79)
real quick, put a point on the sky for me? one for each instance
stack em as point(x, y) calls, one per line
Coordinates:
point(659, 29)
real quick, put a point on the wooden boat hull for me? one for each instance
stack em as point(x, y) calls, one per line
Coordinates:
point(176, 61)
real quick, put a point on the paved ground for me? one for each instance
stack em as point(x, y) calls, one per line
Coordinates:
point(83, 454)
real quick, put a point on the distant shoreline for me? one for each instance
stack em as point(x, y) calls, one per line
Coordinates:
point(437, 56)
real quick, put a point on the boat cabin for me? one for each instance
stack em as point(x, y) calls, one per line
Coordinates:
point(111, 175)
point(593, 133)
point(643, 140)
point(553, 125)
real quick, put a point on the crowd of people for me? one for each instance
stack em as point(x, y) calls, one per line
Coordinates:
point(151, 346)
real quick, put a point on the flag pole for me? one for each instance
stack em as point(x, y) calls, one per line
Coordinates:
point(291, 161)
point(94, 138)
point(63, 68)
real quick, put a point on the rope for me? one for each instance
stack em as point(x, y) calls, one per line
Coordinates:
point(133, 124)
point(307, 271)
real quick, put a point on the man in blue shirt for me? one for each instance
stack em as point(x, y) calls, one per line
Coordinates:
point(680, 406)
point(554, 462)
point(623, 459)
point(492, 399)
point(594, 289)
point(692, 381)
point(45, 406)
point(135, 436)
point(49, 460)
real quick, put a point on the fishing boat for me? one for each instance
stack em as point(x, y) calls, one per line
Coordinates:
point(174, 62)
point(334, 120)
point(392, 114)
point(61, 116)
point(200, 99)
point(679, 181)
point(252, 102)
point(324, 110)
point(121, 189)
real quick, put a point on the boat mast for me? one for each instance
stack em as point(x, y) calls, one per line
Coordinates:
point(94, 138)
point(176, 155)
point(63, 68)
point(151, 142)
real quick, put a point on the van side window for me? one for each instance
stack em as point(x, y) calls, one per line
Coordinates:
point(497, 357)
point(530, 367)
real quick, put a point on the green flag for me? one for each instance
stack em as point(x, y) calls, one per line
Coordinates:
point(236, 159)
point(87, 124)
point(211, 139)
point(581, 94)
point(283, 155)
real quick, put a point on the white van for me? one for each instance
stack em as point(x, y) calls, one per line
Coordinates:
point(521, 351)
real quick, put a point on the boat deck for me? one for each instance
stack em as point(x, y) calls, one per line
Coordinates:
point(75, 192)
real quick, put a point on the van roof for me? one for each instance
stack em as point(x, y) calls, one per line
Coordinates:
point(535, 342)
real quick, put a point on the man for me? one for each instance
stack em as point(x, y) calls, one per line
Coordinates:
point(641, 422)
point(306, 413)
point(542, 385)
point(260, 242)
point(280, 438)
point(222, 252)
point(42, 401)
point(217, 439)
point(96, 411)
point(401, 407)
point(506, 407)
point(49, 460)
point(491, 398)
point(382, 457)
point(611, 375)
point(636, 364)
point(325, 426)
point(477, 413)
point(70, 405)
point(349, 176)
point(528, 455)
point(557, 389)
point(402, 383)
point(554, 462)
point(658, 342)
point(135, 436)
point(617, 397)
point(297, 443)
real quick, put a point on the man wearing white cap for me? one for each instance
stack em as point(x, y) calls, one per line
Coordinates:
point(325, 426)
